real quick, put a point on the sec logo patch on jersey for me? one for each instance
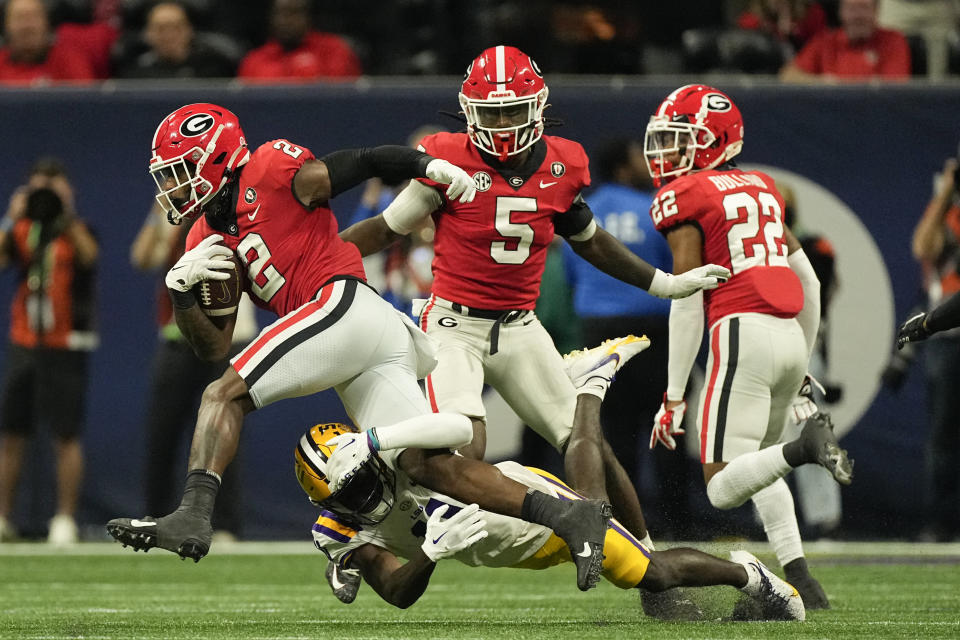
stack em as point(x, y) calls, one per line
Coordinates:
point(483, 180)
point(557, 169)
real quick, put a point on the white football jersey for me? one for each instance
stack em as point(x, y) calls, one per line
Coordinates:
point(509, 540)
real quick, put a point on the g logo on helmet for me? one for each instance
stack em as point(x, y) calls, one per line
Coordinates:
point(196, 125)
point(717, 102)
point(533, 65)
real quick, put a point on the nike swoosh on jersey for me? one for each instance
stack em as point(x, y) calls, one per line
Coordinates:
point(544, 185)
point(586, 553)
point(141, 523)
point(251, 216)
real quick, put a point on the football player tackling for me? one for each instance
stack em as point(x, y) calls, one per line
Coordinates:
point(269, 208)
point(762, 322)
point(378, 515)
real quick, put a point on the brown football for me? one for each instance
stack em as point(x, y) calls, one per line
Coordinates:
point(220, 297)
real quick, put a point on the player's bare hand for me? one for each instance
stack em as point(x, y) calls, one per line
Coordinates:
point(666, 423)
point(462, 186)
point(206, 261)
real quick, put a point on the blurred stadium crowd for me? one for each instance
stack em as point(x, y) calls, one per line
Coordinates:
point(308, 40)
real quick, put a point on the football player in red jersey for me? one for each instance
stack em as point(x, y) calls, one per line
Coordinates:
point(489, 260)
point(762, 322)
point(269, 209)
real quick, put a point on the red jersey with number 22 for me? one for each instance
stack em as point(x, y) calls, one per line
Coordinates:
point(289, 251)
point(740, 214)
point(490, 253)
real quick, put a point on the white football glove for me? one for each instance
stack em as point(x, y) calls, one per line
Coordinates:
point(351, 452)
point(461, 187)
point(666, 424)
point(803, 405)
point(456, 533)
point(667, 285)
point(204, 262)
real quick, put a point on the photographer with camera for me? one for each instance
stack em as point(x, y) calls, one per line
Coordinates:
point(51, 335)
point(936, 245)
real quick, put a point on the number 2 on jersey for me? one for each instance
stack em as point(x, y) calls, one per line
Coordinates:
point(263, 282)
point(757, 236)
point(519, 232)
point(287, 148)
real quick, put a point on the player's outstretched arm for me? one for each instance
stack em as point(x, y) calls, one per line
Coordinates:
point(429, 431)
point(399, 584)
point(407, 212)
point(319, 180)
point(611, 256)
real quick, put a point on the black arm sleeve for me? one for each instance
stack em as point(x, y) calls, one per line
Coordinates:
point(945, 316)
point(393, 163)
point(573, 220)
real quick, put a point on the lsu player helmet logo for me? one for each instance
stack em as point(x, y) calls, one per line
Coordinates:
point(364, 499)
point(195, 151)
point(697, 127)
point(503, 97)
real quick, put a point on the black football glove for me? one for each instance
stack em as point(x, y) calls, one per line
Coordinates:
point(913, 330)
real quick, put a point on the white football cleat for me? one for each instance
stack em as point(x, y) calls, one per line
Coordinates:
point(778, 599)
point(592, 370)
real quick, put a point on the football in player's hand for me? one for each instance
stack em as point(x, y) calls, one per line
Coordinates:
point(221, 297)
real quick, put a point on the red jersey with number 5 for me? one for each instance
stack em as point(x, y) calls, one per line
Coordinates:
point(289, 251)
point(490, 253)
point(740, 214)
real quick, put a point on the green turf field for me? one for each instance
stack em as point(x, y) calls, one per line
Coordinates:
point(278, 591)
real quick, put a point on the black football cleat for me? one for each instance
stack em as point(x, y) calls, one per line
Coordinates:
point(821, 447)
point(345, 583)
point(583, 527)
point(182, 533)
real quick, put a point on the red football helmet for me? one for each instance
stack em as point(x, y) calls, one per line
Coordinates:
point(697, 127)
point(195, 151)
point(503, 97)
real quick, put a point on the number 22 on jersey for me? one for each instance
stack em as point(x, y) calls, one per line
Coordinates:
point(756, 236)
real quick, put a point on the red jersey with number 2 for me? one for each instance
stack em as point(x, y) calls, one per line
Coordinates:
point(289, 251)
point(490, 253)
point(740, 214)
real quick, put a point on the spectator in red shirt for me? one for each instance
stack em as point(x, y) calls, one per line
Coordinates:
point(297, 52)
point(795, 21)
point(859, 50)
point(32, 55)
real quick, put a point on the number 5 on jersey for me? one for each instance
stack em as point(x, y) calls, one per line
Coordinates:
point(520, 232)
